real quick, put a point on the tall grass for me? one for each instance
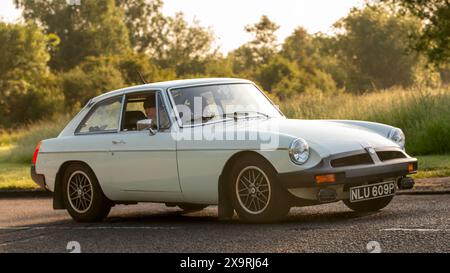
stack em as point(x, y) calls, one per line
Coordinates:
point(25, 143)
point(9, 137)
point(423, 114)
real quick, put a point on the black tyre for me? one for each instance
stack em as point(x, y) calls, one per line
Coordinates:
point(255, 194)
point(369, 205)
point(83, 197)
point(191, 207)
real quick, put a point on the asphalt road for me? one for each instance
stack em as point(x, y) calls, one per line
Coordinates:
point(411, 223)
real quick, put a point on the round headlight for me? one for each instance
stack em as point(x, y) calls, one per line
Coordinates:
point(397, 136)
point(299, 151)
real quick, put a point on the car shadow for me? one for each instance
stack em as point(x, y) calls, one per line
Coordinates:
point(174, 218)
point(210, 218)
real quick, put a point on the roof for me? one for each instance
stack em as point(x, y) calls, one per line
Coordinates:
point(170, 84)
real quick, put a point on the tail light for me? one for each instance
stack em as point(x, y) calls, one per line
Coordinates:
point(36, 152)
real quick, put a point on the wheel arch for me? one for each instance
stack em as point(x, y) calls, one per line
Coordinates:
point(58, 198)
point(225, 207)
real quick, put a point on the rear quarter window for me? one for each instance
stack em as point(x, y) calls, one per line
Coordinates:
point(103, 117)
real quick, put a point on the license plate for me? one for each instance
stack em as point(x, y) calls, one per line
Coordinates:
point(373, 191)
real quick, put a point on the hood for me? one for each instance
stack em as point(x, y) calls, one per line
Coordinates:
point(328, 137)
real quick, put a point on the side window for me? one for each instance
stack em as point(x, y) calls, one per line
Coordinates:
point(104, 117)
point(143, 106)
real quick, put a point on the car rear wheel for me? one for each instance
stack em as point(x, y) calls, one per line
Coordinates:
point(256, 196)
point(369, 205)
point(83, 196)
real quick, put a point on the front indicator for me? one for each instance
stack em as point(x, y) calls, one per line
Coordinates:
point(411, 168)
point(328, 178)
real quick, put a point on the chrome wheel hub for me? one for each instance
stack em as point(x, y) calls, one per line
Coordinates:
point(253, 190)
point(80, 192)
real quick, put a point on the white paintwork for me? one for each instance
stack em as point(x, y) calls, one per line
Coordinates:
point(160, 168)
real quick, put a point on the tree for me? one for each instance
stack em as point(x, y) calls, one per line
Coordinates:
point(260, 49)
point(145, 22)
point(130, 64)
point(298, 46)
point(94, 28)
point(279, 72)
point(28, 91)
point(96, 75)
point(264, 44)
point(297, 68)
point(187, 47)
point(434, 39)
point(372, 44)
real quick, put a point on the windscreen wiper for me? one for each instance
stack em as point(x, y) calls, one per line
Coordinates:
point(245, 113)
point(203, 118)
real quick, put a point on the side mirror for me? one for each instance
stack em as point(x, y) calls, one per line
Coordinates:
point(145, 124)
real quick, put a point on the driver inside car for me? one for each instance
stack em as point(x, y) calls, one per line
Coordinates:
point(150, 112)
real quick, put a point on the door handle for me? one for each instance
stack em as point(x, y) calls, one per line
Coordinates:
point(118, 142)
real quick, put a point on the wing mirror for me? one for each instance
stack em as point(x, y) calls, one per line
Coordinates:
point(146, 124)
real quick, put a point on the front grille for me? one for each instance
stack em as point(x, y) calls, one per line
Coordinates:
point(390, 155)
point(361, 159)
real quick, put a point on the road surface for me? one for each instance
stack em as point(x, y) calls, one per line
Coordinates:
point(411, 223)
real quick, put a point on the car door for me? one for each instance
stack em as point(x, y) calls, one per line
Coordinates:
point(92, 140)
point(144, 161)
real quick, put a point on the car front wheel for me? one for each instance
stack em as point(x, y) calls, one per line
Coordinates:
point(83, 196)
point(369, 205)
point(256, 196)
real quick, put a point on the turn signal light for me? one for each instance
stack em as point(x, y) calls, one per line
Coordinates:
point(411, 168)
point(328, 178)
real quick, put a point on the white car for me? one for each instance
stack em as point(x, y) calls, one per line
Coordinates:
point(194, 143)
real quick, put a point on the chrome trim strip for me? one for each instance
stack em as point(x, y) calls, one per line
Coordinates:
point(138, 191)
point(109, 151)
point(231, 149)
point(164, 150)
point(76, 152)
point(122, 109)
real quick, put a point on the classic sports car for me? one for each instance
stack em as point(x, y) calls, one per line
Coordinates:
point(194, 143)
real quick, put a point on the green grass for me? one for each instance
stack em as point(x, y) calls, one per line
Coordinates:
point(29, 137)
point(14, 176)
point(433, 166)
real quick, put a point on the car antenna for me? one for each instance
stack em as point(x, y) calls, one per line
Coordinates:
point(140, 76)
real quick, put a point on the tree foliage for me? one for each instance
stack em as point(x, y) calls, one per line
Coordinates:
point(144, 20)
point(94, 28)
point(28, 90)
point(66, 54)
point(372, 44)
point(260, 49)
point(434, 39)
point(186, 48)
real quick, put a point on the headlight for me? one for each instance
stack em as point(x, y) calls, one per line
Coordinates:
point(299, 151)
point(397, 136)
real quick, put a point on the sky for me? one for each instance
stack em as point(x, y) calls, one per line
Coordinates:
point(227, 18)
